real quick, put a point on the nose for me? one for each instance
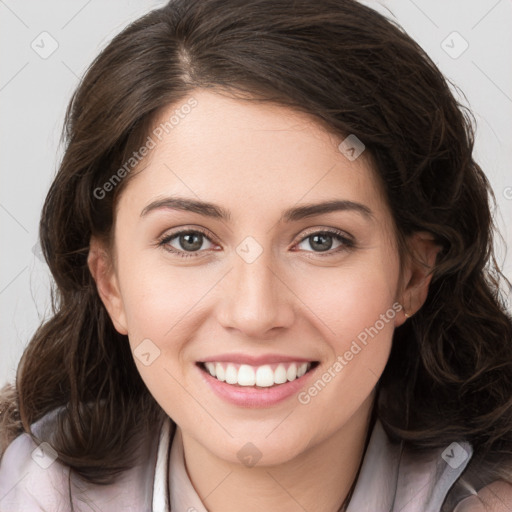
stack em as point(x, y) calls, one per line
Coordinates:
point(257, 300)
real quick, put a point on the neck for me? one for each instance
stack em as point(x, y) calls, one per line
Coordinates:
point(318, 479)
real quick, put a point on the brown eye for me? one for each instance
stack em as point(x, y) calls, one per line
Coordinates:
point(183, 242)
point(323, 241)
point(190, 241)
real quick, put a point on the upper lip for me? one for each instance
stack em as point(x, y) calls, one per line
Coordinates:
point(255, 360)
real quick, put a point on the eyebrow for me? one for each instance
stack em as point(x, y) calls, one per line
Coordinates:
point(291, 215)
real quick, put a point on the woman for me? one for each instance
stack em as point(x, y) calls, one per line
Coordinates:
point(275, 279)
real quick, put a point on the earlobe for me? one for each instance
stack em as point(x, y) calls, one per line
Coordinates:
point(100, 265)
point(418, 273)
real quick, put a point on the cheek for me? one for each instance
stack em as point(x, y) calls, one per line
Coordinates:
point(352, 297)
point(355, 309)
point(160, 303)
point(158, 294)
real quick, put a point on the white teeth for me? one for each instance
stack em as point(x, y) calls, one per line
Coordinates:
point(231, 374)
point(261, 376)
point(211, 368)
point(219, 372)
point(264, 376)
point(291, 374)
point(246, 376)
point(280, 375)
point(301, 370)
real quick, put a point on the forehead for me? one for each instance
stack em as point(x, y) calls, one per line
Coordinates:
point(249, 156)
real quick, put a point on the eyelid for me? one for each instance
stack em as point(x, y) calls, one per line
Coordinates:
point(332, 231)
point(171, 233)
point(164, 239)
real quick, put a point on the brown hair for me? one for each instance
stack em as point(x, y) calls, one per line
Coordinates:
point(449, 375)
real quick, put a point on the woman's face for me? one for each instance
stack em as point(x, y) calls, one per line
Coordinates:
point(251, 283)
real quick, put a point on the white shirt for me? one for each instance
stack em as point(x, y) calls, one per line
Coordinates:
point(390, 480)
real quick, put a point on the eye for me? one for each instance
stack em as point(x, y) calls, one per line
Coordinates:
point(189, 241)
point(322, 241)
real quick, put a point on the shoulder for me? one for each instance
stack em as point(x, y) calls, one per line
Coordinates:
point(32, 478)
point(495, 497)
point(10, 423)
point(451, 479)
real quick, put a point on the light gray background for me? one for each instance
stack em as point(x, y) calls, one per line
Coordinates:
point(34, 92)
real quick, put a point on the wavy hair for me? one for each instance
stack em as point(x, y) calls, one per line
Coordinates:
point(449, 374)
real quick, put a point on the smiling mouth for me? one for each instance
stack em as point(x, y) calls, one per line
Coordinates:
point(264, 376)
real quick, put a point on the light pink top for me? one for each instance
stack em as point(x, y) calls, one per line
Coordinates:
point(391, 479)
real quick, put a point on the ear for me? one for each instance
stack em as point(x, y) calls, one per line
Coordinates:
point(102, 270)
point(417, 273)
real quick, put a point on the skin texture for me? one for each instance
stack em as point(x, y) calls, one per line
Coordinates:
point(257, 160)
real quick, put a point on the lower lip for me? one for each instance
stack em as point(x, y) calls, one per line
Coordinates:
point(253, 397)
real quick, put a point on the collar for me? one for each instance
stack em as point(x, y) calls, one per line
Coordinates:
point(172, 484)
point(160, 485)
point(391, 479)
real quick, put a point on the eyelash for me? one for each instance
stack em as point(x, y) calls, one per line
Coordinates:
point(347, 243)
